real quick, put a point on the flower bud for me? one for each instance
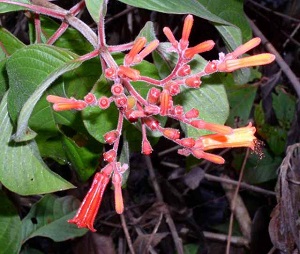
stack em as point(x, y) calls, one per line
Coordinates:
point(153, 95)
point(103, 102)
point(192, 113)
point(111, 136)
point(110, 155)
point(193, 82)
point(90, 99)
point(117, 89)
point(146, 147)
point(171, 133)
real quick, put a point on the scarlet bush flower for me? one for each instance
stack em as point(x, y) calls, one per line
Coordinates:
point(160, 101)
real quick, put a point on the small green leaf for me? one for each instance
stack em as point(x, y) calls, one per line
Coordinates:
point(48, 63)
point(71, 39)
point(284, 106)
point(82, 159)
point(4, 7)
point(22, 170)
point(148, 32)
point(258, 170)
point(95, 7)
point(241, 99)
point(9, 42)
point(10, 227)
point(48, 218)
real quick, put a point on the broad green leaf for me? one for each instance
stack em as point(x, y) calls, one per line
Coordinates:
point(9, 42)
point(5, 7)
point(10, 226)
point(241, 99)
point(82, 159)
point(176, 7)
point(95, 7)
point(48, 218)
point(22, 170)
point(231, 34)
point(48, 63)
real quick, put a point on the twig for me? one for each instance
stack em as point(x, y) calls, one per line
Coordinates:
point(221, 179)
point(153, 233)
point(285, 68)
point(128, 238)
point(237, 240)
point(120, 14)
point(274, 12)
point(169, 220)
point(233, 204)
point(240, 210)
point(235, 183)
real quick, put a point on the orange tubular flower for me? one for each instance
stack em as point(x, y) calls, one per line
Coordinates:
point(61, 103)
point(128, 72)
point(186, 31)
point(117, 182)
point(240, 137)
point(234, 64)
point(137, 46)
point(200, 48)
point(146, 51)
point(88, 210)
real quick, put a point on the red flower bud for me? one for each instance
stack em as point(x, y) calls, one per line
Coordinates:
point(151, 123)
point(187, 27)
point(193, 82)
point(111, 136)
point(110, 73)
point(110, 155)
point(146, 147)
point(90, 99)
point(152, 110)
point(117, 89)
point(178, 110)
point(128, 72)
point(211, 67)
point(103, 102)
point(192, 113)
point(187, 142)
point(153, 95)
point(171, 133)
point(173, 88)
point(121, 101)
point(184, 70)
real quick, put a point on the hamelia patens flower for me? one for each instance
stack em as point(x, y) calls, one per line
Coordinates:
point(160, 101)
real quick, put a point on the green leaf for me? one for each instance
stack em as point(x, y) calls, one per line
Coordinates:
point(4, 7)
point(48, 63)
point(96, 120)
point(10, 227)
point(3, 78)
point(190, 248)
point(210, 100)
point(21, 168)
point(148, 31)
point(201, 8)
point(95, 7)
point(241, 99)
point(9, 42)
point(284, 106)
point(258, 170)
point(176, 7)
point(71, 39)
point(82, 159)
point(48, 218)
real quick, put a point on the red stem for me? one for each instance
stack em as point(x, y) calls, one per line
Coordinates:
point(37, 25)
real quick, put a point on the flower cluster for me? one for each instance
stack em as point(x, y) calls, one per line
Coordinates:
point(133, 107)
